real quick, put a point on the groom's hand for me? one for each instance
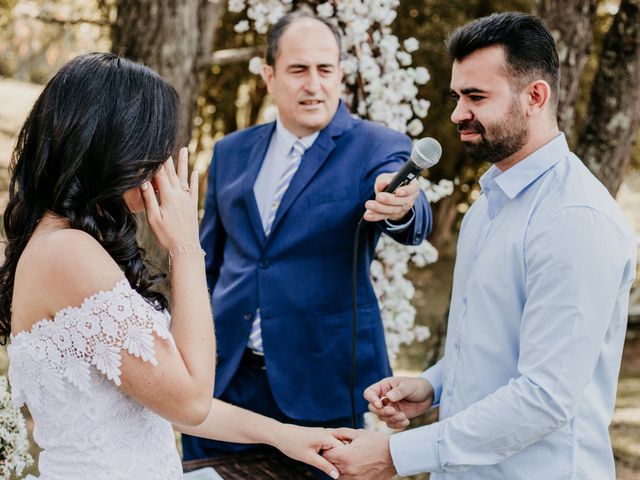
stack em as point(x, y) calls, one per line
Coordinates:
point(364, 456)
point(395, 400)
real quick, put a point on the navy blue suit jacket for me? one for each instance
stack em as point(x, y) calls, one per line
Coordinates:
point(300, 276)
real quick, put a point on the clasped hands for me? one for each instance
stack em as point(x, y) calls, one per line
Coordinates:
point(364, 454)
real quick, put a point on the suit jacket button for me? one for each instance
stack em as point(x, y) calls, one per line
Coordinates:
point(248, 316)
point(264, 264)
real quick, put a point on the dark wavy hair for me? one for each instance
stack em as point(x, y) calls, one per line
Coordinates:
point(102, 126)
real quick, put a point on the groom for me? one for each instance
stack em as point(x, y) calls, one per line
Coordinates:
point(281, 212)
point(545, 260)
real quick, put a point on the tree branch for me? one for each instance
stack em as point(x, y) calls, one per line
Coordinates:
point(66, 21)
point(232, 55)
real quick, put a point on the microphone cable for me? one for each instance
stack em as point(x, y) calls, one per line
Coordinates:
point(425, 153)
point(362, 224)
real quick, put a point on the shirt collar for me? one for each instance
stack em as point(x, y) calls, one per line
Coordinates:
point(524, 173)
point(285, 139)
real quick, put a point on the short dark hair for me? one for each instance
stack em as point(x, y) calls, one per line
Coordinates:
point(276, 31)
point(530, 49)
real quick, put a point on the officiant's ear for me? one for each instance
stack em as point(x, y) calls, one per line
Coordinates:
point(267, 73)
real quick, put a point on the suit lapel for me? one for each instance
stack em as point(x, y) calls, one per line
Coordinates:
point(254, 162)
point(312, 160)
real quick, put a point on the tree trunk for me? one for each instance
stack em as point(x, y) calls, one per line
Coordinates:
point(445, 213)
point(606, 139)
point(571, 23)
point(173, 38)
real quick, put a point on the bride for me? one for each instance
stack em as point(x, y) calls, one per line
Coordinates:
point(94, 354)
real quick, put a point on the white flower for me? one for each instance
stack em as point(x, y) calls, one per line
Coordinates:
point(325, 10)
point(369, 69)
point(422, 75)
point(349, 66)
point(411, 44)
point(389, 44)
point(255, 65)
point(242, 26)
point(421, 107)
point(422, 333)
point(14, 443)
point(236, 5)
point(391, 16)
point(415, 127)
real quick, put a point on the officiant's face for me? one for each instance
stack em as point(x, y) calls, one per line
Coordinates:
point(305, 80)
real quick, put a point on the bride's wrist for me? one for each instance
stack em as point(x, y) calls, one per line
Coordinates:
point(277, 434)
point(184, 249)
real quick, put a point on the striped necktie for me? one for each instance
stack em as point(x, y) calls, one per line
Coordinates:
point(295, 158)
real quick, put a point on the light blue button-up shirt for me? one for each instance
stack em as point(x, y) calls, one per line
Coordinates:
point(538, 313)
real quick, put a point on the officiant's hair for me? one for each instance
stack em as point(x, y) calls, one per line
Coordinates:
point(277, 30)
point(102, 126)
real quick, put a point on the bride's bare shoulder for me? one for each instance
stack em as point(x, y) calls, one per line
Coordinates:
point(57, 269)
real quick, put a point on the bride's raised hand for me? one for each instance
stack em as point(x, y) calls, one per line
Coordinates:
point(173, 214)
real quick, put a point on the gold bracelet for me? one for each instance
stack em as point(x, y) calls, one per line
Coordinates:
point(188, 248)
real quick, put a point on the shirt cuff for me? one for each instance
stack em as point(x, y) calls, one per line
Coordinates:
point(433, 375)
point(416, 451)
point(394, 227)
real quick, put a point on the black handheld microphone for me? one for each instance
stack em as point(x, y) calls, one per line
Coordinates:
point(425, 153)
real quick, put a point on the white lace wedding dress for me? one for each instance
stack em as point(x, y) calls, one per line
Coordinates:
point(67, 370)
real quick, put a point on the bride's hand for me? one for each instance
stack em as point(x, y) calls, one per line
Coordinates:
point(306, 445)
point(174, 218)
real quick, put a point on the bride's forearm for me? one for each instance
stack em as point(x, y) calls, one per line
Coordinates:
point(229, 423)
point(232, 424)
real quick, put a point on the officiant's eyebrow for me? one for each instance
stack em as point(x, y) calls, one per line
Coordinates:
point(301, 66)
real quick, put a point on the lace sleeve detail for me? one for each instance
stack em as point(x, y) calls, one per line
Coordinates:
point(95, 334)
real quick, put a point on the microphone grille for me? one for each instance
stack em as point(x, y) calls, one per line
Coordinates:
point(426, 152)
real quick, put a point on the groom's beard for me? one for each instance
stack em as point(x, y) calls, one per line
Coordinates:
point(498, 140)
